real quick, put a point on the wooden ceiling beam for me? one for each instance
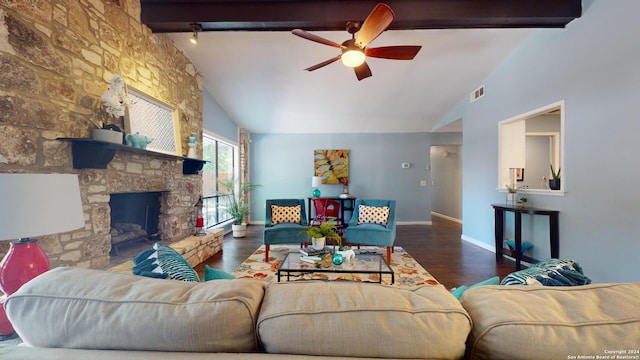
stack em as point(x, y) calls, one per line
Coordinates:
point(318, 15)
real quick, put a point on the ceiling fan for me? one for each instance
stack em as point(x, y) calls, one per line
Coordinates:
point(355, 51)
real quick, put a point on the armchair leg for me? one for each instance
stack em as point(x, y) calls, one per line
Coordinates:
point(389, 248)
point(266, 253)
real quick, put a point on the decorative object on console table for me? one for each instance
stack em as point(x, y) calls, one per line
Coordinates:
point(238, 204)
point(33, 205)
point(316, 181)
point(554, 182)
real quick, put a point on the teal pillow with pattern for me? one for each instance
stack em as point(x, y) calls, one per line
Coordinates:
point(162, 261)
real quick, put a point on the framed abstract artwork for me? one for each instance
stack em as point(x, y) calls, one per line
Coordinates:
point(332, 166)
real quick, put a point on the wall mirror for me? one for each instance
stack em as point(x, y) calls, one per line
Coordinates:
point(528, 144)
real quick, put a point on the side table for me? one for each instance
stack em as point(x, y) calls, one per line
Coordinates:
point(554, 231)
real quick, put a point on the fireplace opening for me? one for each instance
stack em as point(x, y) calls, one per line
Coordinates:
point(134, 221)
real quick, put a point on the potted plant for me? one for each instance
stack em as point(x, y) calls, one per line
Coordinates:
point(319, 234)
point(115, 101)
point(554, 182)
point(238, 205)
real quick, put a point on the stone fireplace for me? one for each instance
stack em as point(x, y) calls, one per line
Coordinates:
point(59, 59)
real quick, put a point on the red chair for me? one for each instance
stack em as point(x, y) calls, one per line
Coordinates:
point(325, 210)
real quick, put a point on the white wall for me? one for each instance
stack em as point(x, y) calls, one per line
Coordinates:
point(593, 65)
point(446, 180)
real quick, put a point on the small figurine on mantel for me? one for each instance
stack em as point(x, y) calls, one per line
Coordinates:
point(193, 142)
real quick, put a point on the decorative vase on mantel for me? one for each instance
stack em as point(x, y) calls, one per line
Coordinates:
point(107, 135)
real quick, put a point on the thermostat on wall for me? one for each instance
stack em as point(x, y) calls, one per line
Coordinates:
point(406, 165)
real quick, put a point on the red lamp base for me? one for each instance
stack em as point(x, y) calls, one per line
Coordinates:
point(24, 261)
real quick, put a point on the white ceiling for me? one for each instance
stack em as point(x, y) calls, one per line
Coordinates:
point(259, 81)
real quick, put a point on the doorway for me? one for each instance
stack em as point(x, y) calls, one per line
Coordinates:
point(446, 181)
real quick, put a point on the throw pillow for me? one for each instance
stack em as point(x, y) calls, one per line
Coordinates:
point(285, 214)
point(162, 261)
point(457, 292)
point(373, 214)
point(552, 272)
point(215, 274)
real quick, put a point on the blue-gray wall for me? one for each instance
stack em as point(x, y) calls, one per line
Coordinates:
point(593, 65)
point(216, 120)
point(283, 165)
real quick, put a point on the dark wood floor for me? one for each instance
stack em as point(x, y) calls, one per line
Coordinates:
point(438, 248)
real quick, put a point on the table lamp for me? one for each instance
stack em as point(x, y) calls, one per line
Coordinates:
point(33, 205)
point(316, 181)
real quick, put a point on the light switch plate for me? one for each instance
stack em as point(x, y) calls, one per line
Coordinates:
point(406, 165)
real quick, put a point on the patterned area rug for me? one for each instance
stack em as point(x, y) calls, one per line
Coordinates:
point(408, 273)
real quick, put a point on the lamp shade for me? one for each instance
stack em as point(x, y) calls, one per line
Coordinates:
point(316, 181)
point(39, 204)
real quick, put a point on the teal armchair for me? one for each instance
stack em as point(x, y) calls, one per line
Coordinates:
point(284, 226)
point(373, 234)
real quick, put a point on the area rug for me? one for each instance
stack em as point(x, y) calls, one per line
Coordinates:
point(408, 273)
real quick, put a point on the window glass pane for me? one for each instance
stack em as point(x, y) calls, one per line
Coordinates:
point(220, 157)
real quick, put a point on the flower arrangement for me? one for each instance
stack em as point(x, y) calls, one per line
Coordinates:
point(115, 101)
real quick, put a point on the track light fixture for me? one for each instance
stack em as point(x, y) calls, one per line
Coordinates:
point(195, 28)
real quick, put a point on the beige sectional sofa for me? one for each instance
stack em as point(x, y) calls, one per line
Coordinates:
point(72, 313)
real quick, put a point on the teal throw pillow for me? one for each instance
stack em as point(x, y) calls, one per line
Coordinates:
point(457, 292)
point(162, 261)
point(215, 274)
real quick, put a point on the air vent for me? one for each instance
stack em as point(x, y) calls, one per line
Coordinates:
point(476, 94)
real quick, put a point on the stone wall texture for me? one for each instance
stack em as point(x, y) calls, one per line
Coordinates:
point(56, 59)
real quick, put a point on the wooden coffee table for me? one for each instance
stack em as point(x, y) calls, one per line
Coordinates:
point(360, 264)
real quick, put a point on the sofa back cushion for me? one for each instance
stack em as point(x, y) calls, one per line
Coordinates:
point(540, 322)
point(92, 309)
point(362, 320)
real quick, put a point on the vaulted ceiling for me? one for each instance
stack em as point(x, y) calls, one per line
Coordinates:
point(253, 66)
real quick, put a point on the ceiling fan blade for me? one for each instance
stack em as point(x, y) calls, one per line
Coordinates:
point(322, 64)
point(363, 71)
point(393, 52)
point(316, 38)
point(378, 21)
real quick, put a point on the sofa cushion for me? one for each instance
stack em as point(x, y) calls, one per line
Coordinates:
point(362, 320)
point(527, 322)
point(285, 214)
point(373, 214)
point(93, 309)
point(162, 261)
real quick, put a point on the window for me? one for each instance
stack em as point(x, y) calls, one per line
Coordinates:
point(528, 144)
point(221, 157)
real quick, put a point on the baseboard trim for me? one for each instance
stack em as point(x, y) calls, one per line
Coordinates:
point(478, 243)
point(433, 213)
point(414, 223)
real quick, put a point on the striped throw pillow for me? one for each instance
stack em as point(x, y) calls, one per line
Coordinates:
point(162, 261)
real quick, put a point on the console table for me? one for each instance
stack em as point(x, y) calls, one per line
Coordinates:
point(346, 205)
point(554, 231)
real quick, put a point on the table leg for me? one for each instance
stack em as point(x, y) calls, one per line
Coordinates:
point(518, 230)
point(554, 235)
point(499, 232)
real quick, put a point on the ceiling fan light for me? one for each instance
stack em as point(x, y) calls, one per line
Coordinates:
point(353, 58)
point(195, 28)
